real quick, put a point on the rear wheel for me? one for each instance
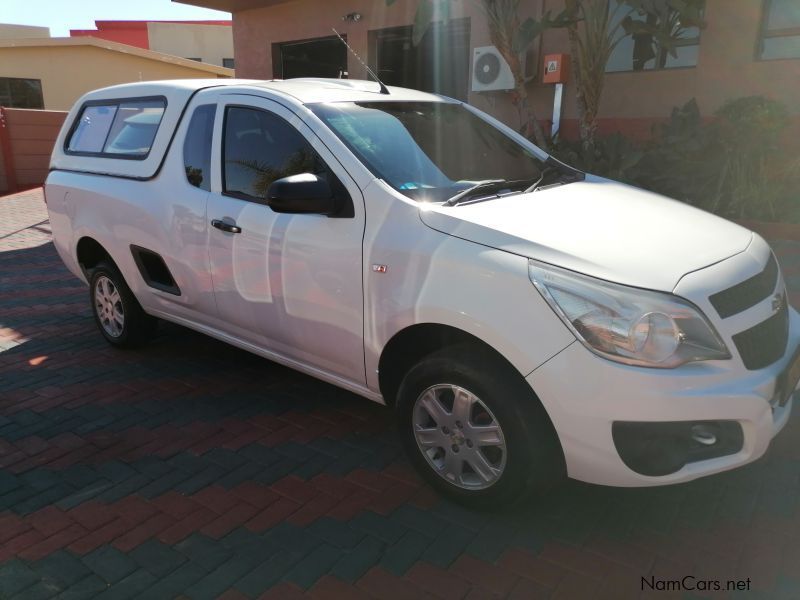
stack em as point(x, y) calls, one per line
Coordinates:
point(116, 311)
point(475, 430)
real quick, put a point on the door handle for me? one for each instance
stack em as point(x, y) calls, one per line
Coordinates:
point(223, 226)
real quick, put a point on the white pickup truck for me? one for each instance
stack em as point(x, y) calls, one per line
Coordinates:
point(526, 321)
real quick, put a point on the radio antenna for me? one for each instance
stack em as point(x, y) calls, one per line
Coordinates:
point(384, 89)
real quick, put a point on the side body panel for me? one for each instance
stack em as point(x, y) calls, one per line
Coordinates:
point(290, 282)
point(165, 214)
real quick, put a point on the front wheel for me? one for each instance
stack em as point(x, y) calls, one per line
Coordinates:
point(475, 430)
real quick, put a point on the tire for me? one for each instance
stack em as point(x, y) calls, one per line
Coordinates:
point(117, 313)
point(522, 460)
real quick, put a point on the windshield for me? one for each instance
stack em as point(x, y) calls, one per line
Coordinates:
point(428, 151)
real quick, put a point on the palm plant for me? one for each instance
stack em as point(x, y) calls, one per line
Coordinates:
point(595, 29)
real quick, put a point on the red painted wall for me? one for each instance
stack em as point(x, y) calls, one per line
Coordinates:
point(133, 33)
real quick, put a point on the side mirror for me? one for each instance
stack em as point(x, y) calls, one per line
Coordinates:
point(305, 193)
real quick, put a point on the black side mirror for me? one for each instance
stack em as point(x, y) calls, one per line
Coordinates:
point(305, 193)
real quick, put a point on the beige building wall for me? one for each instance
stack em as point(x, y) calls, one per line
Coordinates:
point(8, 31)
point(210, 43)
point(727, 66)
point(69, 71)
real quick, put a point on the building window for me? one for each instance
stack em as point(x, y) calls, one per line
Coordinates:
point(319, 57)
point(228, 63)
point(194, 58)
point(440, 63)
point(780, 37)
point(642, 52)
point(21, 93)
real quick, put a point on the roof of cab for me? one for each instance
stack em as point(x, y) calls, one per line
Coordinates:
point(177, 93)
point(303, 90)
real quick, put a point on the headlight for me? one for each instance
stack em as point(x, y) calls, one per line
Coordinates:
point(626, 324)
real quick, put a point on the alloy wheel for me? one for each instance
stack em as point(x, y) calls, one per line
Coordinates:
point(108, 305)
point(459, 436)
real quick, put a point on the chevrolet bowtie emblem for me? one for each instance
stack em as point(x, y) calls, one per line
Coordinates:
point(777, 302)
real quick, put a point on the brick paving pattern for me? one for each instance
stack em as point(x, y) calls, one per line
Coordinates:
point(191, 469)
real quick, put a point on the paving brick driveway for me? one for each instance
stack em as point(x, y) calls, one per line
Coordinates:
point(192, 469)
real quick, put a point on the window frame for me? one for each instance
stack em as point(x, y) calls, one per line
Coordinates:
point(224, 184)
point(765, 33)
point(113, 102)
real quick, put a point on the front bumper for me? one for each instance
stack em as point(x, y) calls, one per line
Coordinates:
point(585, 395)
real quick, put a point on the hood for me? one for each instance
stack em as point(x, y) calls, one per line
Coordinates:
point(600, 228)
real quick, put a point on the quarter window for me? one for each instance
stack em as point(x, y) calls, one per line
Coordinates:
point(21, 93)
point(781, 34)
point(117, 129)
point(261, 147)
point(197, 146)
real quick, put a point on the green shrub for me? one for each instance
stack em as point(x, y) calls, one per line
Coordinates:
point(736, 165)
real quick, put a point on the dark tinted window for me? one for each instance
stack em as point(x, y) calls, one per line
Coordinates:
point(261, 147)
point(228, 63)
point(117, 128)
point(197, 146)
point(21, 93)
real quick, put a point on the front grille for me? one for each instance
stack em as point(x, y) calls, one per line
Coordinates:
point(765, 343)
point(747, 293)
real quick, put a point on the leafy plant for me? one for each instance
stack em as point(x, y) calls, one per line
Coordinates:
point(756, 174)
point(735, 165)
point(682, 160)
point(613, 156)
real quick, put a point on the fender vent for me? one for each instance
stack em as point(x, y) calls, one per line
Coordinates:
point(154, 270)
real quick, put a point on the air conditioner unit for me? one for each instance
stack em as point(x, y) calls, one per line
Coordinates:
point(490, 71)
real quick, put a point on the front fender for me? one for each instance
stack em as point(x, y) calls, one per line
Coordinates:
point(482, 291)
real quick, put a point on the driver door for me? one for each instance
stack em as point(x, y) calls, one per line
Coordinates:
point(289, 283)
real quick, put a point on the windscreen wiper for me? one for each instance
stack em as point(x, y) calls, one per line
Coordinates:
point(515, 186)
point(538, 182)
point(565, 174)
point(480, 186)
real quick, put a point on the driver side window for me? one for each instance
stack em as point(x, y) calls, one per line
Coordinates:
point(261, 147)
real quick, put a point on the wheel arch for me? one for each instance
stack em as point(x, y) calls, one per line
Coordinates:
point(411, 344)
point(89, 253)
point(416, 342)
